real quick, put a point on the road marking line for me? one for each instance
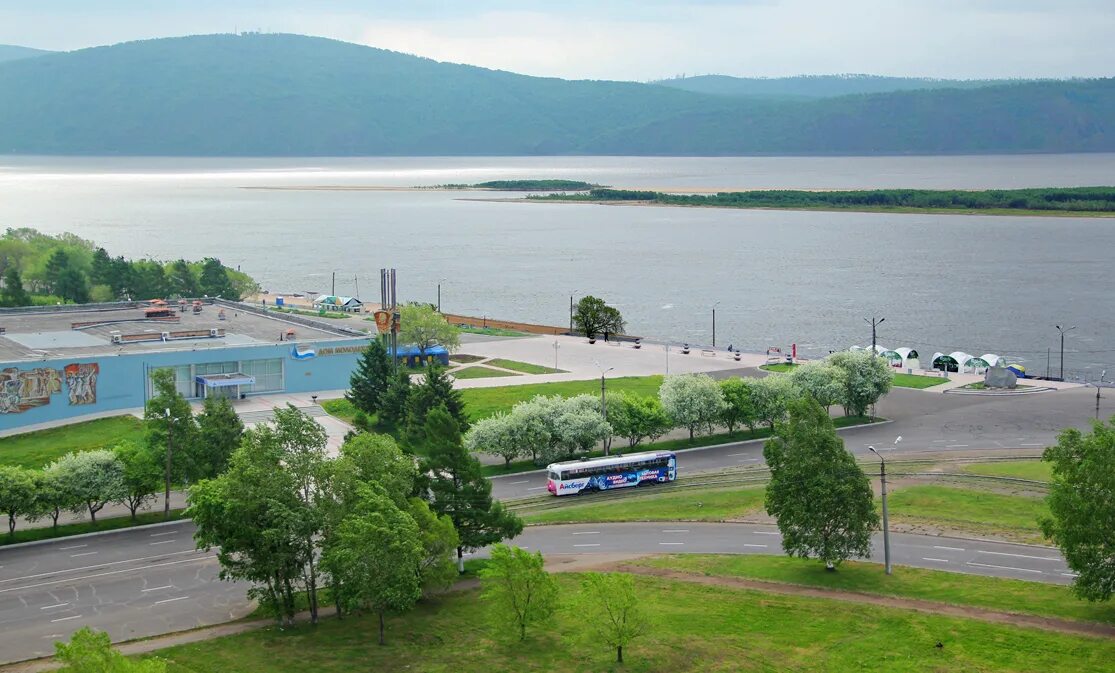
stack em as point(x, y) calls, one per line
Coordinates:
point(1003, 553)
point(64, 619)
point(748, 460)
point(56, 605)
point(1031, 444)
point(165, 586)
point(170, 600)
point(956, 446)
point(111, 572)
point(1070, 574)
point(99, 565)
point(586, 532)
point(152, 544)
point(764, 532)
point(988, 565)
point(676, 530)
point(665, 543)
point(84, 553)
point(736, 454)
point(938, 560)
point(75, 546)
point(757, 546)
point(173, 532)
point(937, 546)
point(587, 545)
point(512, 483)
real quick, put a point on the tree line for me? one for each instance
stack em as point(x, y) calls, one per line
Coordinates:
point(129, 474)
point(37, 268)
point(1069, 199)
point(547, 429)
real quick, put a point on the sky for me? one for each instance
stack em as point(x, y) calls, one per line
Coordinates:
point(634, 39)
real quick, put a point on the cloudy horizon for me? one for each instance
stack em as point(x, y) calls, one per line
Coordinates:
point(639, 40)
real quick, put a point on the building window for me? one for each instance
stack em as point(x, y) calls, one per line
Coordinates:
point(268, 375)
point(183, 381)
point(216, 368)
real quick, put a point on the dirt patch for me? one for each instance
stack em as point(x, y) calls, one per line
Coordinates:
point(931, 607)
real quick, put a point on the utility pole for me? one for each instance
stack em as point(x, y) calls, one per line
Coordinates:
point(439, 297)
point(714, 323)
point(571, 312)
point(604, 407)
point(874, 324)
point(334, 283)
point(1098, 384)
point(1062, 331)
point(886, 520)
point(166, 495)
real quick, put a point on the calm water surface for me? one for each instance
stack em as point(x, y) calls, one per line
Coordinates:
point(972, 283)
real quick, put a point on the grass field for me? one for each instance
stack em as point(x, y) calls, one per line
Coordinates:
point(779, 367)
point(972, 511)
point(38, 448)
point(110, 523)
point(524, 367)
point(918, 381)
point(492, 331)
point(688, 505)
point(483, 402)
point(692, 628)
point(1036, 598)
point(1035, 470)
point(479, 372)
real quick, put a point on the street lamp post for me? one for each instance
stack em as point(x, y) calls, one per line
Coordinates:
point(166, 494)
point(1062, 331)
point(439, 282)
point(886, 518)
point(571, 310)
point(556, 346)
point(1098, 384)
point(874, 324)
point(604, 406)
point(714, 323)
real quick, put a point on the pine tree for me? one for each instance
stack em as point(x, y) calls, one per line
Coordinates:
point(220, 431)
point(215, 282)
point(13, 294)
point(393, 404)
point(456, 487)
point(370, 381)
point(436, 390)
point(72, 286)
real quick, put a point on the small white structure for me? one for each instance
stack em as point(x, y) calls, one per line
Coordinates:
point(945, 363)
point(892, 357)
point(909, 358)
point(328, 302)
point(993, 360)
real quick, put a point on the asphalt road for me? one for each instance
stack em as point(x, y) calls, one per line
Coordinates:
point(148, 581)
point(926, 421)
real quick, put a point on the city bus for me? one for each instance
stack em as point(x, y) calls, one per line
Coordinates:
point(601, 474)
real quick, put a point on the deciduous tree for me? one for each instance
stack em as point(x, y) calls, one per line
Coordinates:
point(739, 407)
point(219, 432)
point(592, 317)
point(612, 610)
point(94, 478)
point(692, 401)
point(495, 435)
point(17, 494)
point(637, 417)
point(519, 591)
point(423, 327)
point(819, 495)
point(1081, 517)
point(91, 651)
point(143, 475)
point(213, 281)
point(866, 379)
point(180, 426)
point(770, 397)
point(823, 381)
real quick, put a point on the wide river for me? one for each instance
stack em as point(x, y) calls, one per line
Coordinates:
point(979, 284)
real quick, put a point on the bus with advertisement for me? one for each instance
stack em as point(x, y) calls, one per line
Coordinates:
point(602, 474)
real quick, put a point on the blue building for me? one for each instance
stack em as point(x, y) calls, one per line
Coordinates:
point(67, 362)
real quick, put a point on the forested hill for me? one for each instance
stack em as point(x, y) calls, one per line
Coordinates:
point(10, 52)
point(222, 95)
point(817, 86)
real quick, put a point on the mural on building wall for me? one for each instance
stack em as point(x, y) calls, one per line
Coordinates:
point(81, 379)
point(23, 389)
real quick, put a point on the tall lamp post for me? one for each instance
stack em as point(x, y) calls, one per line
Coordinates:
point(571, 310)
point(166, 494)
point(1062, 331)
point(714, 323)
point(604, 406)
point(874, 325)
point(439, 282)
point(1098, 385)
point(886, 519)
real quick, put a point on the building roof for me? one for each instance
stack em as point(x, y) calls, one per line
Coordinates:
point(333, 300)
point(41, 333)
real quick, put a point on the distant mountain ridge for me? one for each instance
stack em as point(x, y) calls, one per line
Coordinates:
point(11, 52)
point(290, 95)
point(819, 86)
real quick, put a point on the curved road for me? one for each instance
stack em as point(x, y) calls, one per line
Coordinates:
point(148, 581)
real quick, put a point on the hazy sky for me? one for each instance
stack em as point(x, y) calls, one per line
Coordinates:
point(634, 39)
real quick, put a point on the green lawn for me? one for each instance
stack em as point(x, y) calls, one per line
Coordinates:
point(978, 512)
point(524, 367)
point(677, 505)
point(1037, 598)
point(493, 331)
point(38, 448)
point(110, 523)
point(693, 628)
point(479, 372)
point(329, 315)
point(918, 381)
point(483, 402)
point(779, 367)
point(341, 408)
point(1035, 470)
point(466, 359)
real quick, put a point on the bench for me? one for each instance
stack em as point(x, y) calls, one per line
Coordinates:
point(708, 353)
